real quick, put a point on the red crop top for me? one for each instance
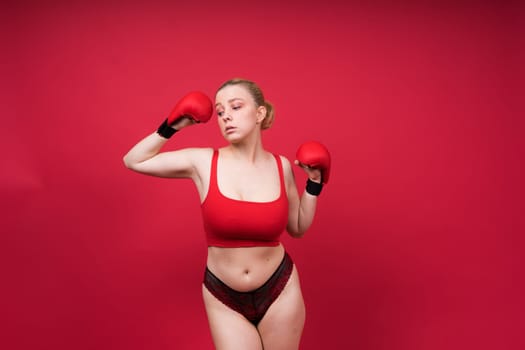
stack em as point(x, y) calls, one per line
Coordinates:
point(236, 223)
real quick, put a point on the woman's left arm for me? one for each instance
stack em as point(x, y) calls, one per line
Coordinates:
point(301, 209)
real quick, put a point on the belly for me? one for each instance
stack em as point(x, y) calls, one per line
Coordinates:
point(244, 269)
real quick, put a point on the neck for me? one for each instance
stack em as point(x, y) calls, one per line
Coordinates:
point(249, 150)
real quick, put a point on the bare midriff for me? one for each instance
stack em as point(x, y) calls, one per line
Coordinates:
point(244, 269)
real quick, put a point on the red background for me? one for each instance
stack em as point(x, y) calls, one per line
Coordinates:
point(418, 239)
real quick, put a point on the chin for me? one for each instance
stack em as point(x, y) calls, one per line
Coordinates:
point(232, 138)
point(233, 141)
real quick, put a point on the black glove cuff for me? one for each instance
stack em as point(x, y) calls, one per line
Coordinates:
point(313, 188)
point(165, 130)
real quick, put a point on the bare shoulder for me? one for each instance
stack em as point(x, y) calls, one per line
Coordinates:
point(199, 158)
point(287, 168)
point(286, 163)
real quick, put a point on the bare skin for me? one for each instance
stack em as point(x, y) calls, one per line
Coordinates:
point(245, 172)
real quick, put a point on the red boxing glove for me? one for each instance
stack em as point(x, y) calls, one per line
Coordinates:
point(194, 105)
point(315, 155)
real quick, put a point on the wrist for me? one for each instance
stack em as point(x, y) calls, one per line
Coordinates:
point(313, 188)
point(166, 130)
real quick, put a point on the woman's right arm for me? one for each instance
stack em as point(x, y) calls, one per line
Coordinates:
point(145, 157)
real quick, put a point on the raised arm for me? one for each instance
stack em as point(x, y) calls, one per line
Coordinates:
point(145, 156)
point(315, 160)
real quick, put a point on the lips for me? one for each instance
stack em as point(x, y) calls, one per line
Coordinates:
point(229, 128)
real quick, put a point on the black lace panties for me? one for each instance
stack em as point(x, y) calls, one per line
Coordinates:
point(254, 304)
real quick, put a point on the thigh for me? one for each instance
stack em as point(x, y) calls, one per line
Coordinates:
point(229, 329)
point(282, 325)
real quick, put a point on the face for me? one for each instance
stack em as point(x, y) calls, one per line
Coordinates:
point(237, 112)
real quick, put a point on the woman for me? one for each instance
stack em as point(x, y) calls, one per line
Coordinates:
point(248, 196)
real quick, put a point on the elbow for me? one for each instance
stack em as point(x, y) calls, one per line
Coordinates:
point(128, 163)
point(297, 235)
point(296, 232)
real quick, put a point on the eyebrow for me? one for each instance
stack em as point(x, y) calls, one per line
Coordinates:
point(230, 100)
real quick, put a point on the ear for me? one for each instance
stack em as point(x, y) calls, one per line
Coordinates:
point(261, 114)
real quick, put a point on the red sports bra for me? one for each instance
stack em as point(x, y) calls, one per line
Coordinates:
point(236, 223)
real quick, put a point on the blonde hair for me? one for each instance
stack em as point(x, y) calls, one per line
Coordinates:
point(258, 97)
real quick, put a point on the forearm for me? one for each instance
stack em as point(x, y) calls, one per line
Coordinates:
point(145, 149)
point(307, 207)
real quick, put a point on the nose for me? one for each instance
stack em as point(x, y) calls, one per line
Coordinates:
point(226, 115)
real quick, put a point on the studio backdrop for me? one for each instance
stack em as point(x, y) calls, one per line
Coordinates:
point(417, 243)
